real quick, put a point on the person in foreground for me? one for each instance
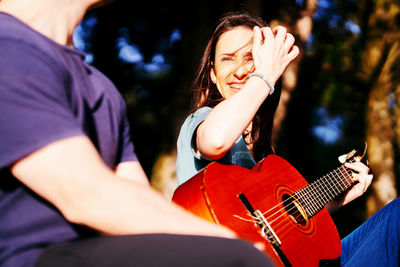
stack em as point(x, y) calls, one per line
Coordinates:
point(235, 101)
point(72, 191)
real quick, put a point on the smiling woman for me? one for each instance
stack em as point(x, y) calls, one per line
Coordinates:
point(234, 110)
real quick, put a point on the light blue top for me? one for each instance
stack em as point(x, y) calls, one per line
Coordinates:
point(189, 163)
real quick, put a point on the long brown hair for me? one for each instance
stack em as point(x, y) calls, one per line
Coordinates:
point(207, 94)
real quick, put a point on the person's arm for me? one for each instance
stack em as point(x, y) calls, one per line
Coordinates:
point(71, 175)
point(228, 120)
point(363, 181)
point(132, 170)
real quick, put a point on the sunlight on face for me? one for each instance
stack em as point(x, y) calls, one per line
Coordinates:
point(233, 60)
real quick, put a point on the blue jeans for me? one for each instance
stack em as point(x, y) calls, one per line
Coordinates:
point(375, 242)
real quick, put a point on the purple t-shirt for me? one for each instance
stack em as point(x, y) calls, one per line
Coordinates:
point(47, 93)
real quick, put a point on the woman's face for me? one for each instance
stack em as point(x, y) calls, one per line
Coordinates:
point(233, 60)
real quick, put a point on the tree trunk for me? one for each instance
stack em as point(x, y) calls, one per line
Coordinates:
point(380, 134)
point(383, 55)
point(301, 28)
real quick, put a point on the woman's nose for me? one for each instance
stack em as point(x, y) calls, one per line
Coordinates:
point(243, 69)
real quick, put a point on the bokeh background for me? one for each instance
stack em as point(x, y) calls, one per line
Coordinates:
point(340, 94)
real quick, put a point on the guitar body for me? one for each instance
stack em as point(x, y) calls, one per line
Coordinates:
point(213, 195)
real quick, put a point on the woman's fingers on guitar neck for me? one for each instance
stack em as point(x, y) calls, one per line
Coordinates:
point(359, 167)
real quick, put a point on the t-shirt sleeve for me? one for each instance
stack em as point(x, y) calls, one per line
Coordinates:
point(191, 125)
point(188, 162)
point(35, 102)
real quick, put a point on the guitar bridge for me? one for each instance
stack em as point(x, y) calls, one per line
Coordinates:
point(266, 230)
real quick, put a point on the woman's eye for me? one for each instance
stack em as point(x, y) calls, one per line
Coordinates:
point(226, 58)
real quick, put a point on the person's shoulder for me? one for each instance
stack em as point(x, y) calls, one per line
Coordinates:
point(18, 36)
point(12, 28)
point(200, 111)
point(195, 118)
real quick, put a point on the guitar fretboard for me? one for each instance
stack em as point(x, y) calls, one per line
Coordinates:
point(316, 195)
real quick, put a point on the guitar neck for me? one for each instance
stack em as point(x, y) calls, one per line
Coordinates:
point(316, 195)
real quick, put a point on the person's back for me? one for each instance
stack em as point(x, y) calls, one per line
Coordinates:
point(57, 95)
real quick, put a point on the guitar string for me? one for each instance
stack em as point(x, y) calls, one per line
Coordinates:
point(281, 229)
point(282, 210)
point(315, 191)
point(283, 213)
point(284, 203)
point(347, 178)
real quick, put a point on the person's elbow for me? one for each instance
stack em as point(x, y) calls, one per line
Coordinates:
point(75, 205)
point(79, 201)
point(212, 146)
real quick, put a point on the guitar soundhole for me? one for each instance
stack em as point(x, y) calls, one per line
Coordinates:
point(294, 209)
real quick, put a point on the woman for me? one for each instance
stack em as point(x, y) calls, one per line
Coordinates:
point(232, 102)
point(235, 102)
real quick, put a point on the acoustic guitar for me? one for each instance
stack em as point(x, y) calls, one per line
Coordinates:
point(271, 203)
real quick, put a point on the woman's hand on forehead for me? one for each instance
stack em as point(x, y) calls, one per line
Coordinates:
point(273, 50)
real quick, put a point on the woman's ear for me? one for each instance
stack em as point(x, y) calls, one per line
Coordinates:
point(212, 76)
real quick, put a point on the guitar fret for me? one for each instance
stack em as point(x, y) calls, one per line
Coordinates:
point(315, 203)
point(306, 200)
point(322, 192)
point(335, 188)
point(310, 209)
point(320, 196)
point(325, 191)
point(339, 181)
point(329, 187)
point(313, 208)
point(348, 180)
point(298, 197)
point(347, 175)
point(344, 182)
point(314, 196)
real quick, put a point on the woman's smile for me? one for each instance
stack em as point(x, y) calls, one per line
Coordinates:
point(236, 86)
